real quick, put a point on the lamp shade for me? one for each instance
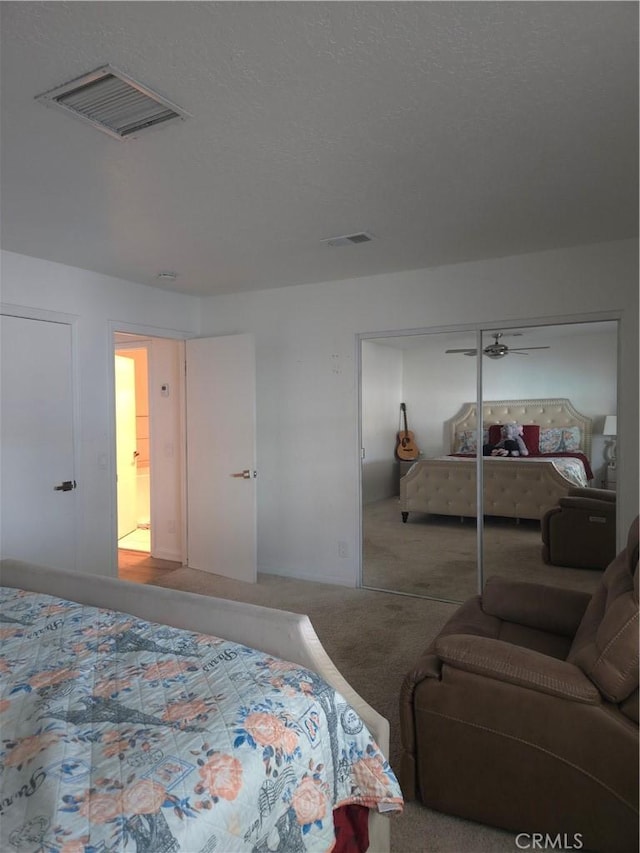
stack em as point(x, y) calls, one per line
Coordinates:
point(610, 425)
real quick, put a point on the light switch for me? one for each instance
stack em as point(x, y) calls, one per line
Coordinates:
point(164, 389)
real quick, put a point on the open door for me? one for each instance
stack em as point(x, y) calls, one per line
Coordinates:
point(221, 456)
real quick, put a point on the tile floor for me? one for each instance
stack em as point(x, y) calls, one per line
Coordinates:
point(138, 540)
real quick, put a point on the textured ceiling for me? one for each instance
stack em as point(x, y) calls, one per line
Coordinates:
point(451, 131)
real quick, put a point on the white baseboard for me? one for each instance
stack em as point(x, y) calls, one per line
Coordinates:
point(336, 580)
point(163, 554)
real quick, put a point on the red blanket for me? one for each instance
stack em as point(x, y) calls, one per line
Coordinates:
point(352, 829)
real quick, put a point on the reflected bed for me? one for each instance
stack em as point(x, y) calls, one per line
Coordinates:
point(523, 487)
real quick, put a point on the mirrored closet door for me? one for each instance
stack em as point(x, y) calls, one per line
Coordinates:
point(421, 459)
point(551, 388)
point(415, 539)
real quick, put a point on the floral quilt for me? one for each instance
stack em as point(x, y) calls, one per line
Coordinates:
point(572, 469)
point(119, 734)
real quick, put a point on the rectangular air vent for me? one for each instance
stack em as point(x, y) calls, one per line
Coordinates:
point(349, 239)
point(113, 102)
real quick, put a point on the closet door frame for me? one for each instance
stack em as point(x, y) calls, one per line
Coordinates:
point(480, 329)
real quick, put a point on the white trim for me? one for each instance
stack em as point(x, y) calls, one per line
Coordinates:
point(182, 391)
point(153, 450)
point(111, 440)
point(621, 531)
point(495, 325)
point(479, 474)
point(162, 554)
point(150, 331)
point(29, 313)
point(142, 343)
point(302, 574)
point(359, 536)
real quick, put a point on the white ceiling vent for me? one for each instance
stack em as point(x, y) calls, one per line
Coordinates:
point(113, 102)
point(349, 239)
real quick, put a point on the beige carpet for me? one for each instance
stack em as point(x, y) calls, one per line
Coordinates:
point(373, 638)
point(436, 555)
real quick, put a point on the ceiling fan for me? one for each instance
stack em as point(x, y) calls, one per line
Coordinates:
point(497, 349)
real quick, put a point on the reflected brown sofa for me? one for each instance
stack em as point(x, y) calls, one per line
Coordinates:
point(581, 531)
point(523, 712)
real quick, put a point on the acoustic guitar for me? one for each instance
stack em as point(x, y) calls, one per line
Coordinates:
point(406, 449)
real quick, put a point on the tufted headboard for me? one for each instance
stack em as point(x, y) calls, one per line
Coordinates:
point(556, 412)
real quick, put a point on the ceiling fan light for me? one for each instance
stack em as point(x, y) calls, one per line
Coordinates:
point(497, 350)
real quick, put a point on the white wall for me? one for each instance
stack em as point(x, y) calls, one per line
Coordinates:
point(307, 378)
point(436, 385)
point(166, 367)
point(381, 398)
point(95, 300)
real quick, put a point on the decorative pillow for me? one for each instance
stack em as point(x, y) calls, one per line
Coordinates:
point(560, 440)
point(530, 436)
point(466, 441)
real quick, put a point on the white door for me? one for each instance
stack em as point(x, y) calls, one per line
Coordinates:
point(37, 480)
point(126, 452)
point(221, 456)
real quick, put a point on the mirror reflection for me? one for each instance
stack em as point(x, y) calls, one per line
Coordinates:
point(546, 452)
point(415, 540)
point(547, 384)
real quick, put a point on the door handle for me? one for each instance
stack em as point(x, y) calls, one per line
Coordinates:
point(65, 486)
point(245, 475)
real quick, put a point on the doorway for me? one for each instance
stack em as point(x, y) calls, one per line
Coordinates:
point(132, 448)
point(149, 401)
point(211, 489)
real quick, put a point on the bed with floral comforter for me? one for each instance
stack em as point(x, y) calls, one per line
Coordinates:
point(120, 734)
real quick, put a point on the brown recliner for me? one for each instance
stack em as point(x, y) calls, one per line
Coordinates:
point(581, 531)
point(523, 712)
